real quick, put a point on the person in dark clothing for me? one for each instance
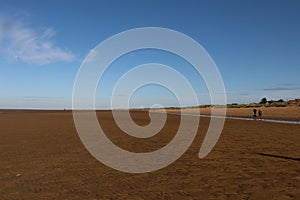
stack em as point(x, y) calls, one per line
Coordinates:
point(254, 112)
point(259, 113)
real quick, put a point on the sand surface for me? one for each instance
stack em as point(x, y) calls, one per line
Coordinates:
point(281, 113)
point(42, 157)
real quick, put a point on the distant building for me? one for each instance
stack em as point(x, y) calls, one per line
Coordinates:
point(294, 101)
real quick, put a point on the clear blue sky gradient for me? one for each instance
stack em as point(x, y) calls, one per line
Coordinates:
point(255, 45)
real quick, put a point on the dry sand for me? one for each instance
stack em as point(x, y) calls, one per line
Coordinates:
point(41, 157)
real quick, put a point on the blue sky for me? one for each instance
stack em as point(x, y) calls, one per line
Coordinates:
point(255, 45)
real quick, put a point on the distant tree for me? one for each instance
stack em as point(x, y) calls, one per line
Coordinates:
point(263, 101)
point(281, 100)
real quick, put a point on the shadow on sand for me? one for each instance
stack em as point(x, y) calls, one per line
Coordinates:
point(276, 156)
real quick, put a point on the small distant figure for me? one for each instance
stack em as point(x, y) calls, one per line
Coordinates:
point(254, 112)
point(259, 113)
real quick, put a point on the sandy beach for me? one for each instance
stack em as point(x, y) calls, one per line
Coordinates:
point(280, 113)
point(42, 157)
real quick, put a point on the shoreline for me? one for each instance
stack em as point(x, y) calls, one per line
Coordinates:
point(273, 113)
point(276, 113)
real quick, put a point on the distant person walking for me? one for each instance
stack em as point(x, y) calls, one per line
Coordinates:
point(254, 112)
point(259, 113)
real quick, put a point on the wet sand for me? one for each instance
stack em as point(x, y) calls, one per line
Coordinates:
point(280, 113)
point(42, 157)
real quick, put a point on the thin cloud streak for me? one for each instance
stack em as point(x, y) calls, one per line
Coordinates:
point(41, 98)
point(282, 89)
point(19, 42)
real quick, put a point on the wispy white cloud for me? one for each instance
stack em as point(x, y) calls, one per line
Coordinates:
point(20, 42)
